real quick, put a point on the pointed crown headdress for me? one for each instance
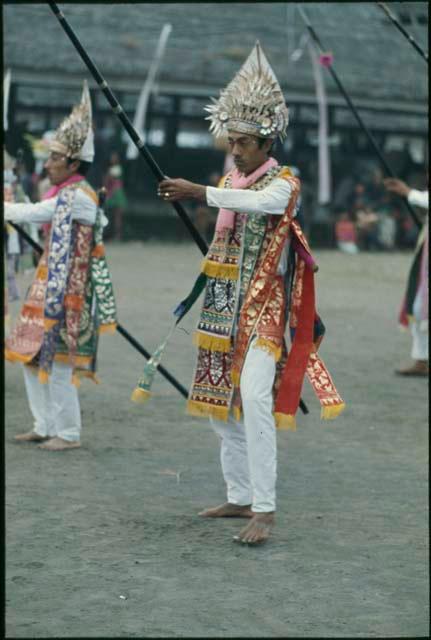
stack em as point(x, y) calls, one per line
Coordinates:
point(74, 137)
point(252, 102)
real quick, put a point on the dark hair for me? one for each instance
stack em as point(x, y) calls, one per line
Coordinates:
point(84, 167)
point(260, 142)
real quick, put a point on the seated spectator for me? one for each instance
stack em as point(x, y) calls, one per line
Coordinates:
point(345, 234)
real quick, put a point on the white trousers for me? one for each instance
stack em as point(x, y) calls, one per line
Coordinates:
point(420, 337)
point(54, 405)
point(249, 449)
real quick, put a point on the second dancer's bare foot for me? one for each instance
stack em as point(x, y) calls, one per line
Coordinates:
point(228, 510)
point(258, 529)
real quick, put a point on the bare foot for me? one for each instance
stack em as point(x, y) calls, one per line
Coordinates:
point(31, 436)
point(258, 529)
point(58, 444)
point(228, 510)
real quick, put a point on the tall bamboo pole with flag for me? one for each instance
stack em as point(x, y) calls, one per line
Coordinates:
point(326, 60)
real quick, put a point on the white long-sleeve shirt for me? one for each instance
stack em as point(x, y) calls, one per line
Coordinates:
point(84, 210)
point(271, 200)
point(419, 198)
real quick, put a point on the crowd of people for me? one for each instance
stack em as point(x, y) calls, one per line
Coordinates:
point(368, 217)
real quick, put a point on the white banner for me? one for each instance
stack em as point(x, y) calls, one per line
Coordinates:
point(141, 109)
point(324, 161)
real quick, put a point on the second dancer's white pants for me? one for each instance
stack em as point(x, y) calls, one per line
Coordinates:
point(420, 337)
point(249, 448)
point(54, 405)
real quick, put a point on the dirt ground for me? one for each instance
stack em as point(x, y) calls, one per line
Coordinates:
point(105, 541)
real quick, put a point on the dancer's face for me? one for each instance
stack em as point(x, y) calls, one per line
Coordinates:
point(248, 152)
point(58, 168)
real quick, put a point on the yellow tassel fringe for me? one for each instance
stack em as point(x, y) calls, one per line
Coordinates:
point(107, 328)
point(285, 421)
point(201, 409)
point(42, 273)
point(13, 356)
point(140, 396)
point(235, 377)
point(87, 374)
point(48, 323)
point(269, 347)
point(331, 412)
point(217, 270)
point(76, 381)
point(237, 413)
point(42, 376)
point(79, 361)
point(212, 343)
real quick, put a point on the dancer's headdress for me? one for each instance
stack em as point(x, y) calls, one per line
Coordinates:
point(252, 103)
point(74, 137)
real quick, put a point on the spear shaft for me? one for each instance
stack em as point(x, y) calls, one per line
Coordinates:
point(119, 112)
point(361, 123)
point(143, 150)
point(405, 33)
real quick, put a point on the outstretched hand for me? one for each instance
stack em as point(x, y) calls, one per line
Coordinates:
point(179, 189)
point(397, 186)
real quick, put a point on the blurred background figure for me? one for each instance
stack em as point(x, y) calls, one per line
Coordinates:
point(414, 309)
point(345, 233)
point(116, 200)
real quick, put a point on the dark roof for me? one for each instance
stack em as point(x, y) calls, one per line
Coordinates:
point(209, 41)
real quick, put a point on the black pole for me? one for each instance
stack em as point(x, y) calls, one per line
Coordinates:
point(364, 128)
point(405, 33)
point(119, 112)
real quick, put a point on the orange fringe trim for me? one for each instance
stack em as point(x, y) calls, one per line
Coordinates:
point(73, 302)
point(76, 381)
point(91, 194)
point(42, 376)
point(98, 251)
point(284, 421)
point(13, 356)
point(48, 323)
point(285, 173)
point(211, 343)
point(235, 377)
point(332, 411)
point(107, 328)
point(30, 311)
point(217, 270)
point(236, 411)
point(85, 374)
point(42, 272)
point(79, 361)
point(268, 346)
point(201, 409)
point(140, 396)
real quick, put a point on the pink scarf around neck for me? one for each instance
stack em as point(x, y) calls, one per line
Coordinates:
point(226, 217)
point(52, 192)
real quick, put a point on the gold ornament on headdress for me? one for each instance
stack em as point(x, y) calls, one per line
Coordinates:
point(252, 103)
point(74, 130)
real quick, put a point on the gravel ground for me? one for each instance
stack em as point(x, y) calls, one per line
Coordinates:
point(104, 541)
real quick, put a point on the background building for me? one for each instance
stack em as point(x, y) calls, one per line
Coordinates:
point(384, 75)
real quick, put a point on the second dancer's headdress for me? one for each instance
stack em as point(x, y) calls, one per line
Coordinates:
point(74, 137)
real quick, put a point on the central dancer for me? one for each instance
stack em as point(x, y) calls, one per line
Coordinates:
point(260, 274)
